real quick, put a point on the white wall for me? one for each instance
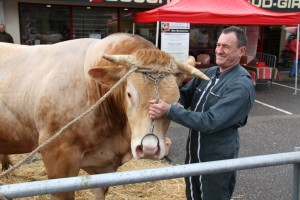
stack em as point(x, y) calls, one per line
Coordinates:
point(252, 35)
point(11, 19)
point(1, 12)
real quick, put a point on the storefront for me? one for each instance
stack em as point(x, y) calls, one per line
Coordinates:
point(34, 22)
point(43, 22)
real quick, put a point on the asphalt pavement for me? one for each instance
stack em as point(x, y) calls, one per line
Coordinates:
point(273, 127)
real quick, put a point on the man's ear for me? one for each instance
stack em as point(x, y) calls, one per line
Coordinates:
point(108, 75)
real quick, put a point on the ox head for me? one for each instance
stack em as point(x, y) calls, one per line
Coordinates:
point(140, 88)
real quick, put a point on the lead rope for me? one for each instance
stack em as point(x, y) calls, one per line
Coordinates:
point(156, 81)
point(2, 197)
point(30, 156)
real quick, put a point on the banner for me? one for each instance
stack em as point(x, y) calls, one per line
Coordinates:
point(175, 39)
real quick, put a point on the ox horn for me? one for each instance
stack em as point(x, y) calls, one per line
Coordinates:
point(190, 70)
point(126, 60)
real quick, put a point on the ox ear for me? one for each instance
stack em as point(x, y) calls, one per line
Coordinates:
point(180, 77)
point(108, 75)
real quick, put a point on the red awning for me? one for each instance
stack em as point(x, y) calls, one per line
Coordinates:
point(216, 12)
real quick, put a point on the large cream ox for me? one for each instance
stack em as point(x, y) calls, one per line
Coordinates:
point(42, 88)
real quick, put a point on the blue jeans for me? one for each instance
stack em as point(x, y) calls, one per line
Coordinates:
point(293, 68)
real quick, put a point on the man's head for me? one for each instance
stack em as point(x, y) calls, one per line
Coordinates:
point(2, 28)
point(230, 47)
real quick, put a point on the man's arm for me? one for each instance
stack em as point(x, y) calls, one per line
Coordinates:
point(232, 108)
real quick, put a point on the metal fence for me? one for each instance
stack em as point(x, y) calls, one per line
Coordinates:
point(270, 60)
point(136, 176)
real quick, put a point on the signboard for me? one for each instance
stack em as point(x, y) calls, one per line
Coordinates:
point(139, 3)
point(175, 38)
point(278, 5)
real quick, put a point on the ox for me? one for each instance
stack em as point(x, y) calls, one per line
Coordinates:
point(42, 88)
point(5, 162)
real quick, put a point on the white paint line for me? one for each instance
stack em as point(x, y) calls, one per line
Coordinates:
point(285, 86)
point(273, 107)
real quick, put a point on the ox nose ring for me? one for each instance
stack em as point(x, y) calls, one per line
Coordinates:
point(150, 135)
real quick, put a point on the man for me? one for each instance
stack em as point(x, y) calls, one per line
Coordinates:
point(213, 111)
point(4, 36)
point(292, 46)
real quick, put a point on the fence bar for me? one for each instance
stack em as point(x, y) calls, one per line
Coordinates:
point(137, 176)
point(296, 179)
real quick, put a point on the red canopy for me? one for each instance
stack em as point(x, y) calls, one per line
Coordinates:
point(216, 12)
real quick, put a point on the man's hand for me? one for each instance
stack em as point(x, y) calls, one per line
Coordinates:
point(158, 110)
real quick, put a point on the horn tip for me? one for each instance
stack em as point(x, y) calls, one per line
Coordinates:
point(206, 77)
point(108, 57)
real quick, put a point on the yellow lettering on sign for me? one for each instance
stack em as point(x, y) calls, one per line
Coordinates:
point(151, 1)
point(139, 1)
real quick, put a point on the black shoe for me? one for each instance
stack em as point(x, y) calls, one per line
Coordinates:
point(292, 76)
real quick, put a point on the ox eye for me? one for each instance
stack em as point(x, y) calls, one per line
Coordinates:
point(130, 97)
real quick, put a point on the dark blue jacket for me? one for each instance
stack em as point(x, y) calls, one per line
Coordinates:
point(218, 119)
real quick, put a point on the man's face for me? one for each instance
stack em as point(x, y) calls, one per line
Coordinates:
point(2, 28)
point(228, 53)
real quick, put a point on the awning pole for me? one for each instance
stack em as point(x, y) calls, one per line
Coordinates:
point(133, 28)
point(296, 63)
point(157, 32)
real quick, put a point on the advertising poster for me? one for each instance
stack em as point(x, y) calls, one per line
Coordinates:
point(175, 39)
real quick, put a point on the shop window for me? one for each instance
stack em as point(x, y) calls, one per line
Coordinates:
point(48, 24)
point(44, 24)
point(203, 39)
point(94, 22)
point(126, 21)
point(147, 31)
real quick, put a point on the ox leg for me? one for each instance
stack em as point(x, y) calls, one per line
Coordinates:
point(5, 162)
point(99, 193)
point(61, 163)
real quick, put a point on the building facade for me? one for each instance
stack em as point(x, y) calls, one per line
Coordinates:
point(40, 22)
point(33, 22)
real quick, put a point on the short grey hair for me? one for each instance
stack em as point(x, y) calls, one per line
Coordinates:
point(240, 34)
